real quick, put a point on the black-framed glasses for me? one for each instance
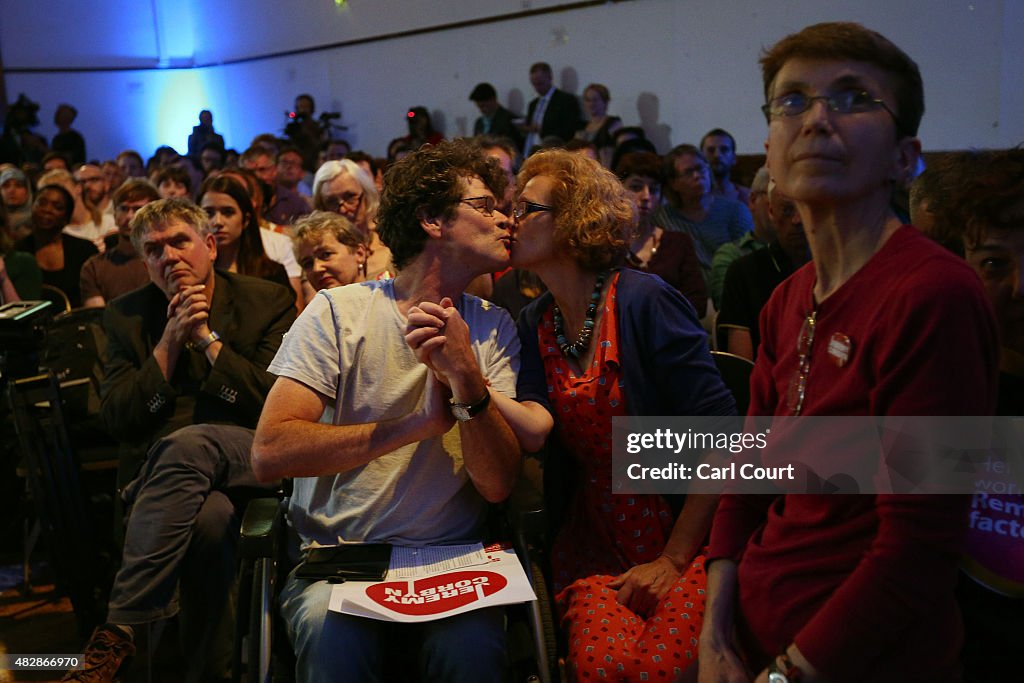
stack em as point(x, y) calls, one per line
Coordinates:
point(851, 101)
point(523, 208)
point(483, 204)
point(350, 199)
point(798, 384)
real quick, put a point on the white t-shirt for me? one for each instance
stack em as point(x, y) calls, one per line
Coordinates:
point(349, 344)
point(279, 248)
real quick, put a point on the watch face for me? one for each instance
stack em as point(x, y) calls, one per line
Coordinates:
point(461, 413)
point(776, 677)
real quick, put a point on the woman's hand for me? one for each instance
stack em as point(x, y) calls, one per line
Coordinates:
point(642, 587)
point(720, 662)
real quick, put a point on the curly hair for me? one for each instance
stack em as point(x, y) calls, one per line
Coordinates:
point(312, 227)
point(429, 183)
point(594, 214)
point(165, 211)
point(850, 41)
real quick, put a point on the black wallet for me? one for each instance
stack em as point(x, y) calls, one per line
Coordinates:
point(350, 562)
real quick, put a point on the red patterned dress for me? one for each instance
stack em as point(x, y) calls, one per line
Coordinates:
point(604, 535)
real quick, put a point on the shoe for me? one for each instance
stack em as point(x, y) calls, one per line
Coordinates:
point(107, 650)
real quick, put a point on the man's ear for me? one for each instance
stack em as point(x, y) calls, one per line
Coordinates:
point(430, 224)
point(211, 244)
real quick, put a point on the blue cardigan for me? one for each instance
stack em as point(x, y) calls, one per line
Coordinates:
point(666, 366)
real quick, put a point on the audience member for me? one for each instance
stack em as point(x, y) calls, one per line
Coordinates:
point(881, 322)
point(601, 127)
point(19, 144)
point(987, 203)
point(20, 277)
point(56, 160)
point(758, 238)
point(691, 208)
point(494, 119)
point(80, 214)
point(343, 187)
point(505, 151)
point(552, 113)
point(16, 196)
point(203, 135)
point(751, 279)
point(186, 374)
point(415, 486)
point(235, 226)
point(421, 129)
point(96, 199)
point(719, 148)
point(131, 164)
point(334, 150)
point(627, 565)
point(68, 141)
point(650, 248)
point(60, 256)
point(113, 175)
point(211, 158)
point(119, 269)
point(277, 245)
point(330, 250)
point(172, 182)
point(291, 176)
point(282, 204)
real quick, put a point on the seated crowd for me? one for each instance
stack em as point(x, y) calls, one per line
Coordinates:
point(328, 318)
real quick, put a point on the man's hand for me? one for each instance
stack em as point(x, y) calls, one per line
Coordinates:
point(188, 315)
point(440, 339)
point(642, 587)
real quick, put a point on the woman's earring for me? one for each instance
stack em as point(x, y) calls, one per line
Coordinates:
point(362, 268)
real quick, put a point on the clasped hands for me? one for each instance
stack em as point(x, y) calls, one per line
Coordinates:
point(188, 315)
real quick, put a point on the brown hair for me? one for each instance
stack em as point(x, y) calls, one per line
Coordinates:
point(430, 182)
point(850, 41)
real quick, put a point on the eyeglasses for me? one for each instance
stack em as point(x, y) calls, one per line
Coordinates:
point(843, 102)
point(483, 204)
point(798, 385)
point(350, 199)
point(523, 208)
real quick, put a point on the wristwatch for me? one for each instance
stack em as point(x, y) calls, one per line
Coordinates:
point(205, 342)
point(464, 412)
point(787, 673)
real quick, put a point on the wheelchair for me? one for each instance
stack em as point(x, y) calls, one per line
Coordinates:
point(262, 649)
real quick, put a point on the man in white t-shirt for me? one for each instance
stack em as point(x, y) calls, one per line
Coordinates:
point(368, 429)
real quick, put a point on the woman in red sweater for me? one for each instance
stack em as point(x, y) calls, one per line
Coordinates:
point(881, 322)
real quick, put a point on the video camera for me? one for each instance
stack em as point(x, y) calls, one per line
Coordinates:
point(23, 336)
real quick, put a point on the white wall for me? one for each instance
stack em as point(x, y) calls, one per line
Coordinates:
point(675, 66)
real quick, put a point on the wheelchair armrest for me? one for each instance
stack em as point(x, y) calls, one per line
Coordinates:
point(260, 528)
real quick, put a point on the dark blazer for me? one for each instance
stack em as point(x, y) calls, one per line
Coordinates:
point(138, 405)
point(561, 117)
point(501, 125)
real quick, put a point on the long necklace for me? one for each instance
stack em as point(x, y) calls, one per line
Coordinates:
point(579, 347)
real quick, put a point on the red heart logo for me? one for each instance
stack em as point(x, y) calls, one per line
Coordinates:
point(436, 594)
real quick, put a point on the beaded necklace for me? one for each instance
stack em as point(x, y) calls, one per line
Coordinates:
point(579, 347)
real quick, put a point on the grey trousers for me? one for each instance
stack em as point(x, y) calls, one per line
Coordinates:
point(183, 526)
